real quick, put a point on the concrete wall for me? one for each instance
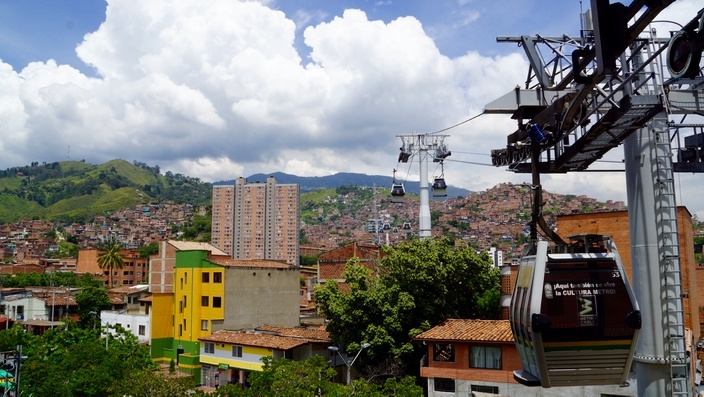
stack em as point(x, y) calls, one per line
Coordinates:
point(261, 296)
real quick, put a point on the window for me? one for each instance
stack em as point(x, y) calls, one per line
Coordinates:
point(444, 384)
point(209, 347)
point(217, 301)
point(205, 277)
point(236, 351)
point(444, 352)
point(203, 325)
point(217, 277)
point(142, 330)
point(485, 389)
point(485, 357)
point(204, 301)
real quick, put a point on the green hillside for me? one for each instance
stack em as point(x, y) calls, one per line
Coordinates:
point(77, 191)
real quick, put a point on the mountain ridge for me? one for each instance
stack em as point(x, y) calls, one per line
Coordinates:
point(311, 183)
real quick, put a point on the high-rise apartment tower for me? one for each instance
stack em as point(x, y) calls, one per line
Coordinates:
point(257, 220)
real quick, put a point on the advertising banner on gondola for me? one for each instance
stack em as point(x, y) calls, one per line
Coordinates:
point(575, 295)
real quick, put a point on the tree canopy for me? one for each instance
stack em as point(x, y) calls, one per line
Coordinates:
point(312, 377)
point(91, 300)
point(110, 258)
point(75, 362)
point(419, 285)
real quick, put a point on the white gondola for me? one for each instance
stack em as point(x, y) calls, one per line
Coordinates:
point(397, 193)
point(574, 316)
point(439, 187)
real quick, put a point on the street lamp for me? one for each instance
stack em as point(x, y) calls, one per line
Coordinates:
point(347, 362)
point(107, 327)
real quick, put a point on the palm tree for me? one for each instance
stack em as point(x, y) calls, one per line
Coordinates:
point(109, 258)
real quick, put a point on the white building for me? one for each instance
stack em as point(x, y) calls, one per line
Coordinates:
point(497, 257)
point(135, 323)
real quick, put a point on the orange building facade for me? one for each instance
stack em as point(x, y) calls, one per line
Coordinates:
point(134, 272)
point(256, 221)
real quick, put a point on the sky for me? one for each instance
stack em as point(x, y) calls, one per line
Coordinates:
point(220, 89)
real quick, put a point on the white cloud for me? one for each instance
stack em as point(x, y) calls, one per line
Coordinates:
point(217, 90)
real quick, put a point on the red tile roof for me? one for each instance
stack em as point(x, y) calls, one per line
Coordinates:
point(312, 334)
point(252, 338)
point(470, 330)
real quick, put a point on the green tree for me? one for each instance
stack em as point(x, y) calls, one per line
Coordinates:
point(67, 250)
point(149, 250)
point(372, 312)
point(75, 362)
point(312, 377)
point(110, 259)
point(91, 300)
point(420, 284)
point(288, 378)
point(151, 383)
point(13, 337)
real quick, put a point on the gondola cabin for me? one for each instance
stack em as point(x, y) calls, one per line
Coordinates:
point(439, 188)
point(573, 315)
point(397, 193)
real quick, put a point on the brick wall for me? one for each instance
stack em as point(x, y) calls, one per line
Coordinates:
point(615, 224)
point(460, 370)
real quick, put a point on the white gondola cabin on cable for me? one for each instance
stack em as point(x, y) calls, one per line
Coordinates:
point(397, 191)
point(439, 186)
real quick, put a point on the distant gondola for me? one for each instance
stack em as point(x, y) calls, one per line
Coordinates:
point(574, 316)
point(397, 193)
point(439, 188)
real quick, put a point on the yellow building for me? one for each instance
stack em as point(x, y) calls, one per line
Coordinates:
point(228, 356)
point(212, 292)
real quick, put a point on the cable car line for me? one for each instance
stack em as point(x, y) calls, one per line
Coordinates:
point(456, 125)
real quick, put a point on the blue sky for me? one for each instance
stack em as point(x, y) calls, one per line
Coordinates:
point(37, 30)
point(219, 89)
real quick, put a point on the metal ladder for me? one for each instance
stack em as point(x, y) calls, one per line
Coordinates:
point(669, 252)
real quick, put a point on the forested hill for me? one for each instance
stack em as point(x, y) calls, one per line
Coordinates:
point(312, 183)
point(70, 191)
point(78, 191)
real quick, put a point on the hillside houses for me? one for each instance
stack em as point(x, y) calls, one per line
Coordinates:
point(135, 227)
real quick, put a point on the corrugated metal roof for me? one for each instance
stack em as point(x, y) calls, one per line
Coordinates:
point(312, 334)
point(250, 263)
point(251, 338)
point(192, 245)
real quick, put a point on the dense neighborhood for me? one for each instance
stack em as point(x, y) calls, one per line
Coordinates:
point(211, 320)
